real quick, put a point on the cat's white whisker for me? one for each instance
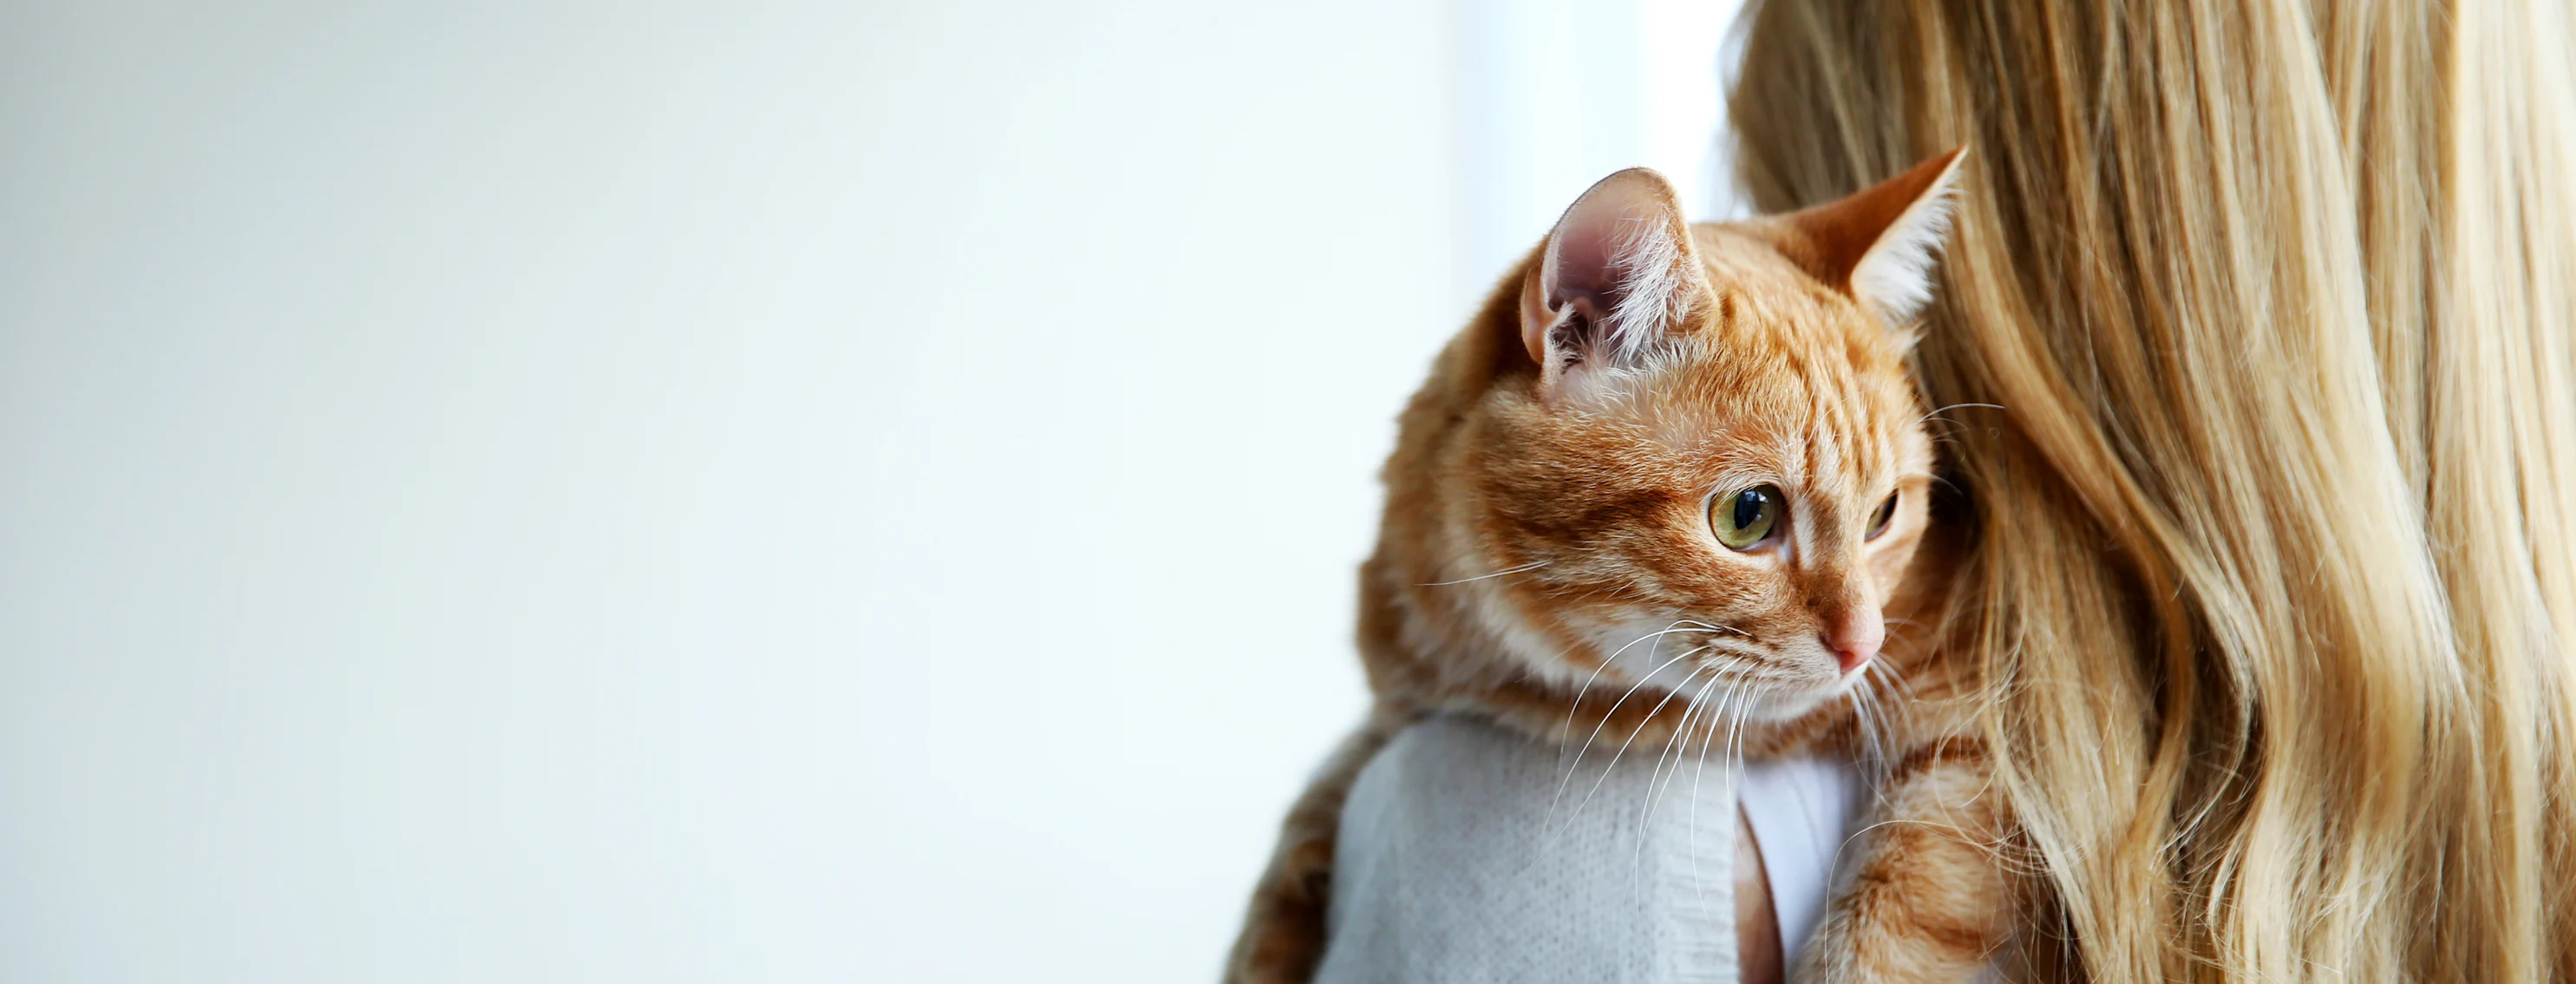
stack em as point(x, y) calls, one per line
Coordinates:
point(1713, 627)
point(1873, 718)
point(1893, 677)
point(1681, 733)
point(1735, 727)
point(1938, 411)
point(1743, 655)
point(1858, 696)
point(1505, 572)
point(1697, 711)
point(1699, 770)
point(1680, 750)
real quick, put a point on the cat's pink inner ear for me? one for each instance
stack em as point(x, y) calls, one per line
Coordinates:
point(1615, 273)
point(1879, 244)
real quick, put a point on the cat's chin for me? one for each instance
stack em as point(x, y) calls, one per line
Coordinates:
point(1791, 703)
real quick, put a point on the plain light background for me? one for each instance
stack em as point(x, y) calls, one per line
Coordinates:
point(551, 492)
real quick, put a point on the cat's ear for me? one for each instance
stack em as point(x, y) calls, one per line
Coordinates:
point(1879, 244)
point(1617, 272)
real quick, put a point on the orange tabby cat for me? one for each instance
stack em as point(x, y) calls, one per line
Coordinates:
point(1702, 436)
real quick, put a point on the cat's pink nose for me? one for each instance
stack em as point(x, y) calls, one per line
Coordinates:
point(1855, 641)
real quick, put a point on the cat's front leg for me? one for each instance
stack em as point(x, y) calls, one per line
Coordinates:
point(1930, 899)
point(1282, 940)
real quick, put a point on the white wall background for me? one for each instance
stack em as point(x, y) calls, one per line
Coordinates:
point(551, 492)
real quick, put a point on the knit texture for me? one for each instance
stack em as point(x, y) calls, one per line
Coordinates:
point(1472, 854)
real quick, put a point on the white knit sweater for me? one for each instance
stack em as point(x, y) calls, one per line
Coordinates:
point(1471, 854)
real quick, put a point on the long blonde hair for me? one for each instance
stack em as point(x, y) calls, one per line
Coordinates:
point(2271, 578)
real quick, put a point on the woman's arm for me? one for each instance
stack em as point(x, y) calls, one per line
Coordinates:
point(1283, 934)
point(1757, 928)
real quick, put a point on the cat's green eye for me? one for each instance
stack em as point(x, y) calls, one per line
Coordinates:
point(1886, 511)
point(1745, 518)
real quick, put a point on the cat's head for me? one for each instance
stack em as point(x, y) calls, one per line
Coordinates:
point(1695, 458)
